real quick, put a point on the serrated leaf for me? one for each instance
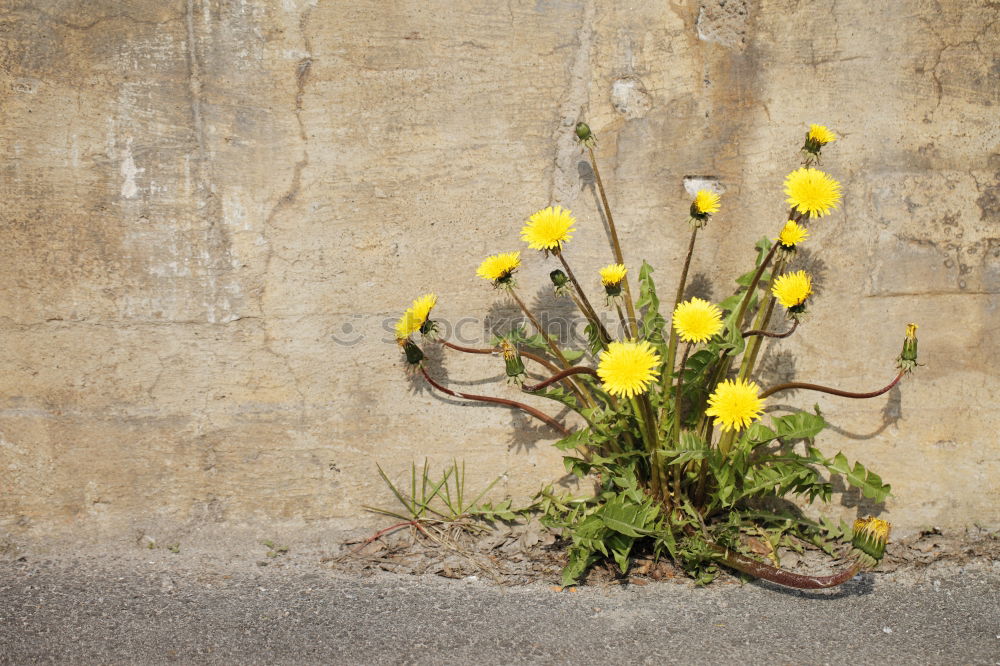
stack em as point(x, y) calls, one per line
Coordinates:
point(573, 440)
point(559, 394)
point(869, 483)
point(580, 560)
point(573, 355)
point(801, 425)
point(626, 518)
point(651, 322)
point(620, 547)
point(758, 434)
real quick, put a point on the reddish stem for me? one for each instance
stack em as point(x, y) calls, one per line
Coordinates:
point(392, 528)
point(467, 350)
point(551, 367)
point(545, 418)
point(831, 391)
point(575, 370)
point(782, 577)
point(768, 334)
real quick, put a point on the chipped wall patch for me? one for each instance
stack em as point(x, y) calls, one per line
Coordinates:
point(630, 97)
point(724, 22)
point(694, 183)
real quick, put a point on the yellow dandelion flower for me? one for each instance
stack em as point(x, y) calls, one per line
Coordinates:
point(549, 228)
point(792, 234)
point(697, 320)
point(735, 404)
point(812, 192)
point(821, 135)
point(499, 267)
point(422, 307)
point(871, 535)
point(627, 368)
point(406, 326)
point(415, 316)
point(706, 202)
point(612, 274)
point(792, 289)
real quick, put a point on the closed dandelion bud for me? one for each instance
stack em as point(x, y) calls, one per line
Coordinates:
point(908, 357)
point(871, 535)
point(429, 329)
point(515, 366)
point(560, 282)
point(583, 133)
point(414, 355)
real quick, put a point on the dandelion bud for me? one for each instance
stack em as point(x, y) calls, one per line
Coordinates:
point(871, 535)
point(583, 132)
point(908, 357)
point(414, 356)
point(512, 359)
point(560, 282)
point(429, 329)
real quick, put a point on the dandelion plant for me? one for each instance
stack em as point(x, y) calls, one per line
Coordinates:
point(667, 417)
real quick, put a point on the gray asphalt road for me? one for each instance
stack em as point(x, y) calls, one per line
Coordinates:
point(158, 610)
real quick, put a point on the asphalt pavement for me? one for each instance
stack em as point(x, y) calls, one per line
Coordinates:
point(151, 609)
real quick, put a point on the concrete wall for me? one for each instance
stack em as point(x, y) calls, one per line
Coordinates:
point(201, 197)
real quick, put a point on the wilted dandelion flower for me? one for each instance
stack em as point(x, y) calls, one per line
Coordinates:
point(735, 404)
point(812, 192)
point(871, 535)
point(697, 320)
point(627, 368)
point(548, 229)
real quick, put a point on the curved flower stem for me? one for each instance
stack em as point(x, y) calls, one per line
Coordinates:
point(538, 327)
point(584, 303)
point(551, 367)
point(831, 391)
point(575, 370)
point(468, 350)
point(545, 418)
point(615, 246)
point(768, 334)
point(780, 576)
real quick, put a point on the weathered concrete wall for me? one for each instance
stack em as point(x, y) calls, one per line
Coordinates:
point(201, 197)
